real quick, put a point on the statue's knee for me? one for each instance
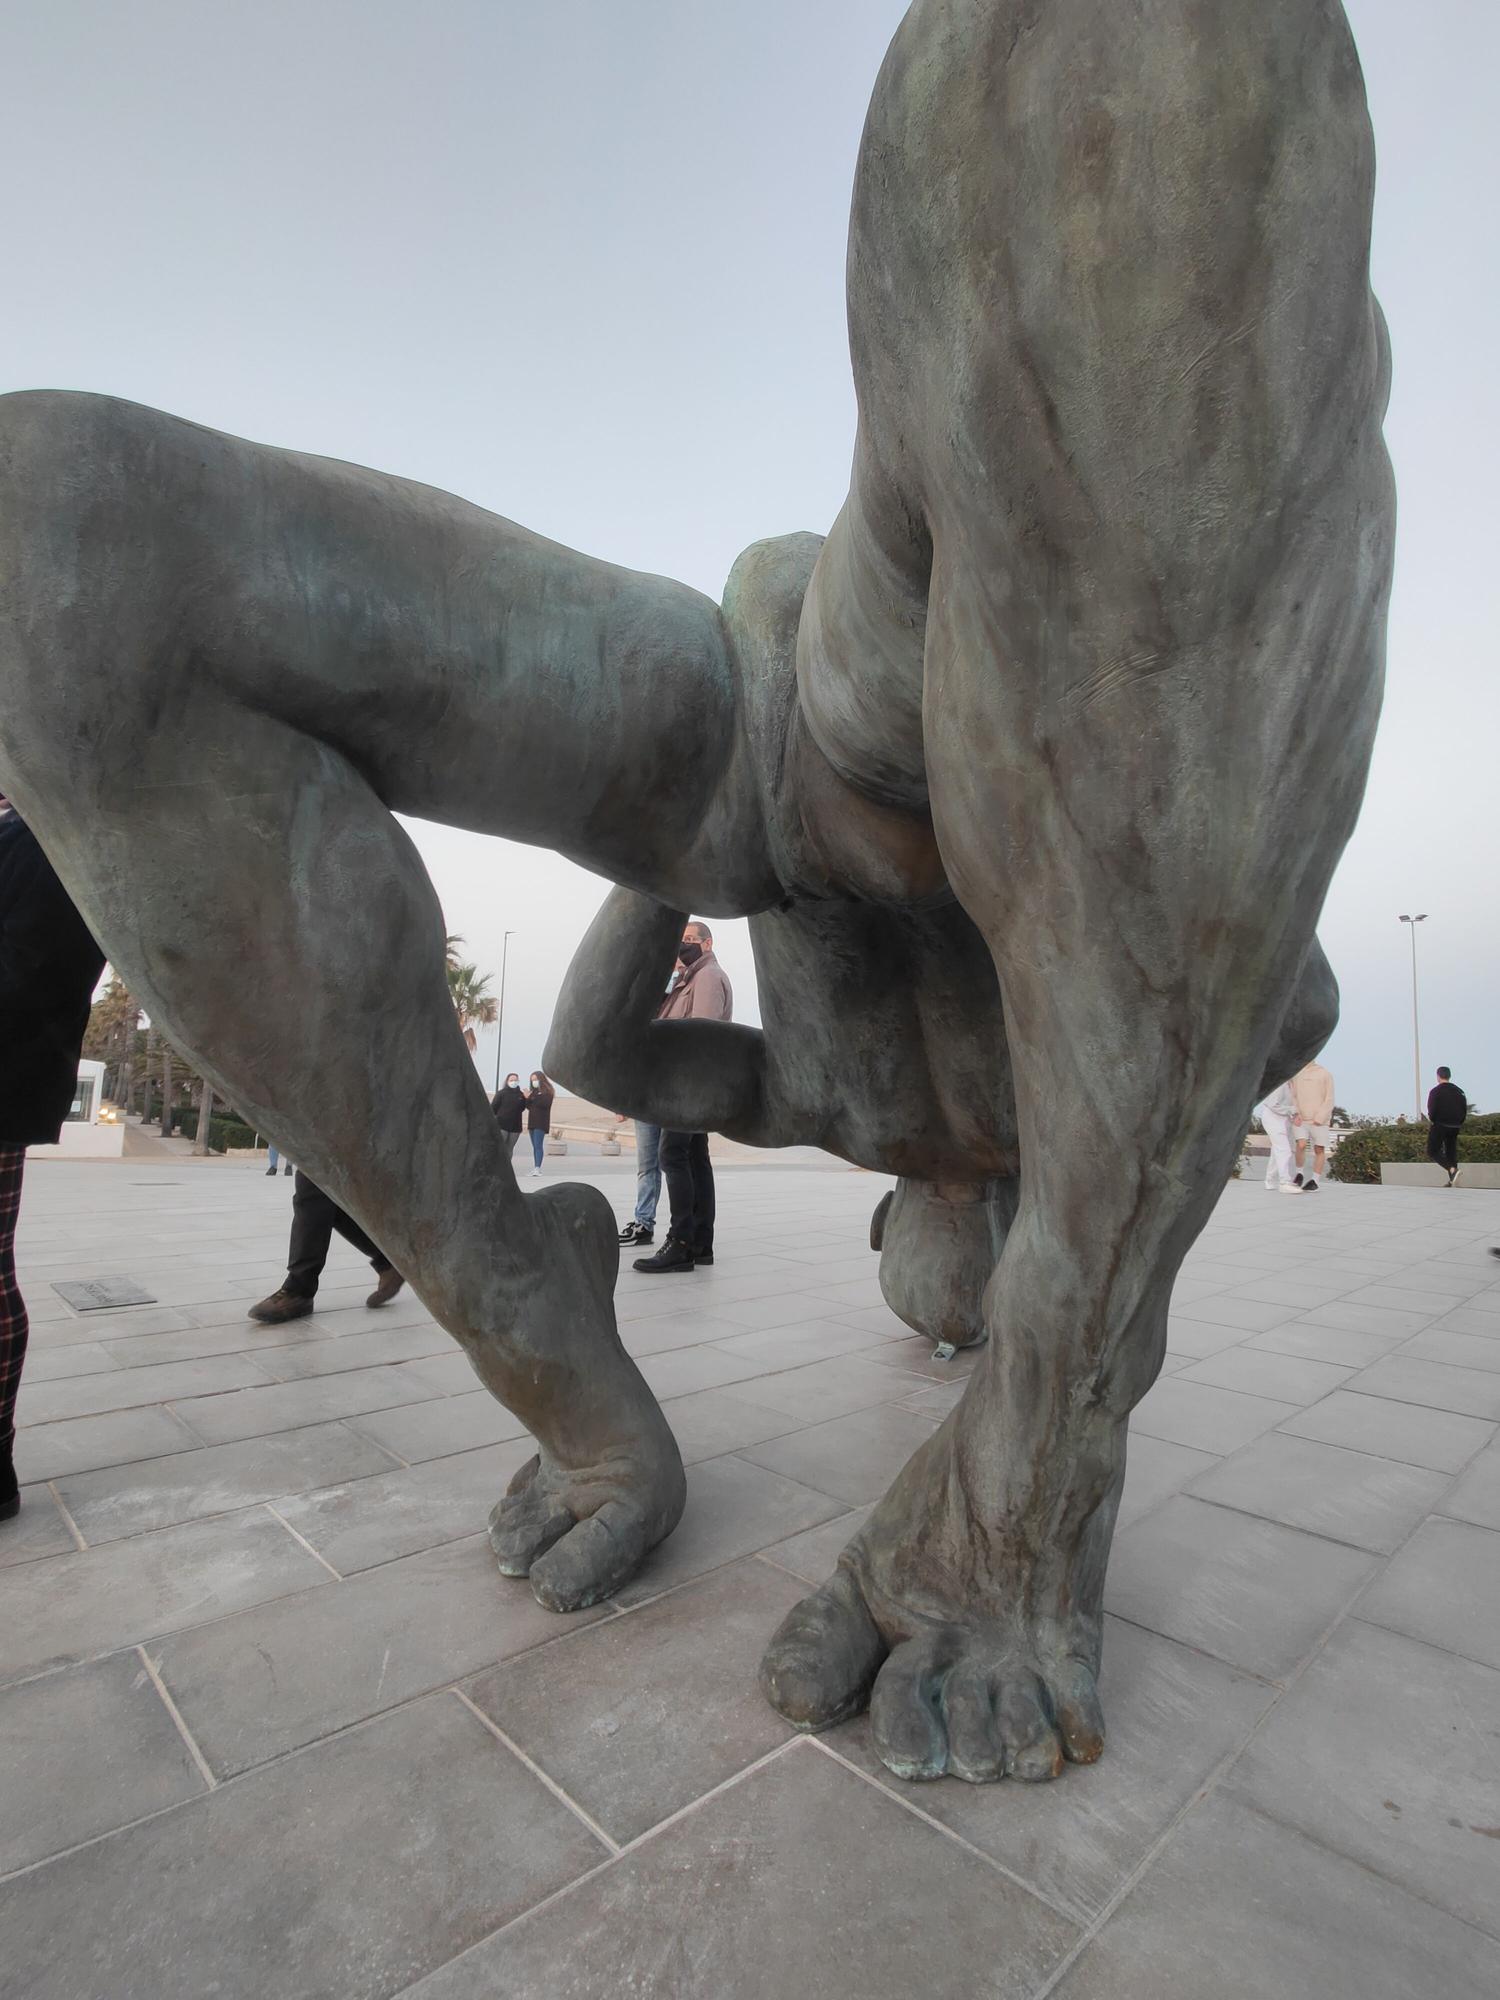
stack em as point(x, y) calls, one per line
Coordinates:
point(939, 1243)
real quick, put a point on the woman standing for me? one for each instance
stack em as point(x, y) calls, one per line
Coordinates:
point(508, 1106)
point(538, 1117)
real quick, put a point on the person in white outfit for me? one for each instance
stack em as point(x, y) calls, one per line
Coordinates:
point(1277, 1115)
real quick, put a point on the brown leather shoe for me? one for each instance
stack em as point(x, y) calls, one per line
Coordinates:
point(280, 1307)
point(390, 1283)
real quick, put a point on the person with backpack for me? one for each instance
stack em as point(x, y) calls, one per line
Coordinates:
point(1447, 1108)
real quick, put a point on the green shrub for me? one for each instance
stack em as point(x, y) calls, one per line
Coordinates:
point(1359, 1153)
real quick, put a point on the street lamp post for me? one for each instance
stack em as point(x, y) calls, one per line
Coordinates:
point(1416, 1038)
point(500, 1012)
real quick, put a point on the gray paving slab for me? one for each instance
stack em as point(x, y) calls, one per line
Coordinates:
point(282, 1406)
point(1347, 1496)
point(1470, 1392)
point(317, 1876)
point(797, 1344)
point(1250, 1592)
point(832, 1388)
point(660, 1333)
point(812, 1555)
point(1204, 1417)
point(157, 1493)
point(56, 1364)
point(1324, 1343)
point(1444, 1588)
point(1252, 1315)
point(714, 1421)
point(688, 1915)
point(1286, 1378)
point(1476, 1497)
point(366, 1521)
point(854, 1458)
point(280, 1675)
point(1195, 1340)
point(84, 1751)
point(1459, 1350)
point(1423, 1811)
point(640, 1716)
point(134, 1388)
point(1172, 1717)
point(733, 1509)
point(38, 1530)
point(439, 1426)
point(1154, 1470)
point(96, 1600)
point(291, 1362)
point(52, 1451)
point(1239, 1908)
point(686, 1370)
point(1439, 1439)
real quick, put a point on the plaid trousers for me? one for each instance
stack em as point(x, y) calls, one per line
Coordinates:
point(13, 1326)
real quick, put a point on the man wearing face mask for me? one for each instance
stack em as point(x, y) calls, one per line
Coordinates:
point(700, 992)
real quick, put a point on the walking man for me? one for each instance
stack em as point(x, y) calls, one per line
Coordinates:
point(315, 1217)
point(49, 967)
point(1312, 1089)
point(1276, 1114)
point(700, 992)
point(1447, 1108)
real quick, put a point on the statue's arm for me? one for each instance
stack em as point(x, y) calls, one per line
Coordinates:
point(607, 1045)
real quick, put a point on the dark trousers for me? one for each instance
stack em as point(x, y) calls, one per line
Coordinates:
point(689, 1176)
point(13, 1325)
point(315, 1216)
point(1442, 1146)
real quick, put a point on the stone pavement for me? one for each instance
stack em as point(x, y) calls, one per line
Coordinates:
point(271, 1724)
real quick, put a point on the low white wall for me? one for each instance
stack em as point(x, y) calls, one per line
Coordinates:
point(83, 1142)
point(1423, 1173)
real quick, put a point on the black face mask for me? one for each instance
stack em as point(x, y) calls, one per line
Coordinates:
point(690, 953)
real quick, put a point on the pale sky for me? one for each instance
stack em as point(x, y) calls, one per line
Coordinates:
point(582, 262)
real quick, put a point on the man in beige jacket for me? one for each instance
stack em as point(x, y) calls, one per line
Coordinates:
point(1312, 1087)
point(700, 992)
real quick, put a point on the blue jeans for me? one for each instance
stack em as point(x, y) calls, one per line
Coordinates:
point(538, 1143)
point(647, 1173)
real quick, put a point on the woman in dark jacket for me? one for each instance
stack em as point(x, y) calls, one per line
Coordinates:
point(49, 967)
point(538, 1117)
point(509, 1105)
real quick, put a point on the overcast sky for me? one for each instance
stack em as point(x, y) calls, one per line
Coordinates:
point(582, 262)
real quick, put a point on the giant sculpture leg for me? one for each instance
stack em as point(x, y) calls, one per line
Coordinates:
point(263, 904)
point(1157, 514)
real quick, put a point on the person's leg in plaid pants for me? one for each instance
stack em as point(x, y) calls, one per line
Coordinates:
point(12, 1323)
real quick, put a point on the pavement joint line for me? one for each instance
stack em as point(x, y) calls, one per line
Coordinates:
point(563, 1797)
point(948, 1833)
point(72, 1526)
point(303, 1540)
point(204, 1768)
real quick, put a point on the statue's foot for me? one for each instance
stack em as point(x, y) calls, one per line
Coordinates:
point(989, 1690)
point(580, 1534)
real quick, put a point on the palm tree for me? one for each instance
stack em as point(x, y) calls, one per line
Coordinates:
point(473, 1002)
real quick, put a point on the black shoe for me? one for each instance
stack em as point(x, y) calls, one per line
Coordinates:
point(637, 1232)
point(1298, 1181)
point(1310, 1187)
point(390, 1282)
point(288, 1172)
point(703, 1256)
point(280, 1307)
point(672, 1256)
point(10, 1492)
point(270, 1173)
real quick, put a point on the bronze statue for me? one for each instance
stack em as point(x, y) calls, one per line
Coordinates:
point(1031, 776)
